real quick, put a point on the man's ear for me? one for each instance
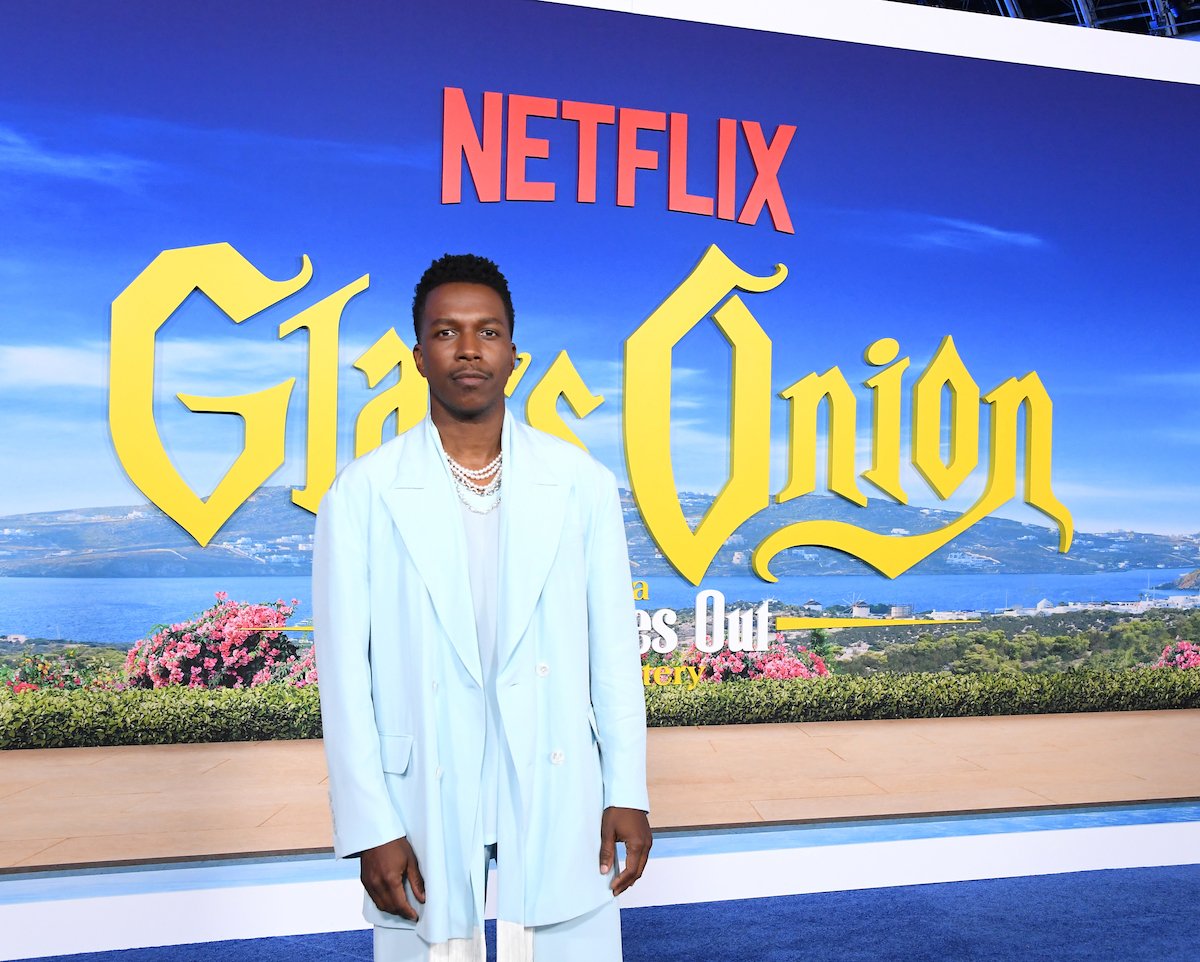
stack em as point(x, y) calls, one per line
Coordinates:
point(419, 359)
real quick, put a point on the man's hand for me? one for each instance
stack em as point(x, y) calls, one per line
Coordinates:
point(384, 869)
point(628, 825)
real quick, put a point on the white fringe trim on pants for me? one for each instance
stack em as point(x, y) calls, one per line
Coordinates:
point(514, 943)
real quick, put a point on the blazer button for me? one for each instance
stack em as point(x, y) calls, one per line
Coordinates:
point(543, 669)
point(435, 684)
point(438, 772)
point(556, 758)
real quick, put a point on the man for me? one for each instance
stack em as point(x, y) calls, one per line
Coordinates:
point(480, 679)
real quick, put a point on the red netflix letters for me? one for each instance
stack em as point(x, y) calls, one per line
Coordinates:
point(496, 155)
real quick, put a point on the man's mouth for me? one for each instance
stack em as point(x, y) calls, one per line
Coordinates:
point(470, 377)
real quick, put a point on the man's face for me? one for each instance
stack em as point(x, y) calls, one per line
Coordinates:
point(466, 350)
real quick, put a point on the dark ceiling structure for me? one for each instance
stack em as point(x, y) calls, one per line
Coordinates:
point(1159, 18)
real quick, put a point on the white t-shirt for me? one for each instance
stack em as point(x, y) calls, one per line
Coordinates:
point(483, 562)
point(483, 565)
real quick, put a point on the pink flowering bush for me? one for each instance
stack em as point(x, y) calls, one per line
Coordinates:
point(233, 644)
point(301, 671)
point(780, 661)
point(1180, 654)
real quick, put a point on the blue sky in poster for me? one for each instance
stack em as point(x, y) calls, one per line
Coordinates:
point(1041, 217)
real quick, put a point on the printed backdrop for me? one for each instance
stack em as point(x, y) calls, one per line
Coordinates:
point(968, 387)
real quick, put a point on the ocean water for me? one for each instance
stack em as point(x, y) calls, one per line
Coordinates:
point(944, 592)
point(120, 610)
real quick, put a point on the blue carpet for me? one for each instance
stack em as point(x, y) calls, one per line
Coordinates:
point(1120, 915)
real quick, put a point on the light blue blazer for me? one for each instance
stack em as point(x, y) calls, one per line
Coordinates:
point(402, 701)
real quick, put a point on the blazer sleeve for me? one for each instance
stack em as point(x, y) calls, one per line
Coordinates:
point(615, 664)
point(363, 813)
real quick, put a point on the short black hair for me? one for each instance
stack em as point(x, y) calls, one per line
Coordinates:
point(460, 269)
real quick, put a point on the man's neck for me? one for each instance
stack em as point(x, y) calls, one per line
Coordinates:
point(472, 443)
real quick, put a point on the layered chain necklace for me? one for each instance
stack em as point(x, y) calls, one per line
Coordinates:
point(478, 489)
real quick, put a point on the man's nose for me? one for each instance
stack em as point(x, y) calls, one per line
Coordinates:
point(468, 345)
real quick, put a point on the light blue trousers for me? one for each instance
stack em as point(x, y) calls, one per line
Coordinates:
point(595, 937)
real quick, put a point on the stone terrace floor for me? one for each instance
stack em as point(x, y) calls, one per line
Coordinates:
point(91, 806)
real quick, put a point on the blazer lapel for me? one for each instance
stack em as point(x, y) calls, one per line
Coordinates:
point(533, 501)
point(426, 512)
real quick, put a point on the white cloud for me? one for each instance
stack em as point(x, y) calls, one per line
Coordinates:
point(1179, 435)
point(419, 155)
point(968, 235)
point(1182, 493)
point(233, 359)
point(932, 231)
point(27, 366)
point(194, 366)
point(238, 366)
point(22, 155)
point(1182, 379)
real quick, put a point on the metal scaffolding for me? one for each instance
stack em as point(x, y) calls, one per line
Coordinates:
point(1160, 18)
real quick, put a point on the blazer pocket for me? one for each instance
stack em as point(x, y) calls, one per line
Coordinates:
point(395, 750)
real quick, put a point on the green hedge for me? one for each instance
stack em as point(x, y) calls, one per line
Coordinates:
point(159, 716)
point(65, 719)
point(926, 695)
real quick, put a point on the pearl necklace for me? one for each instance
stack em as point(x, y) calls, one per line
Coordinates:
point(472, 491)
point(479, 473)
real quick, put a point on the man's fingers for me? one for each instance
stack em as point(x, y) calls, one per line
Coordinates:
point(632, 871)
point(636, 857)
point(415, 880)
point(631, 826)
point(383, 871)
point(624, 880)
point(389, 896)
point(608, 851)
point(403, 907)
point(608, 845)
